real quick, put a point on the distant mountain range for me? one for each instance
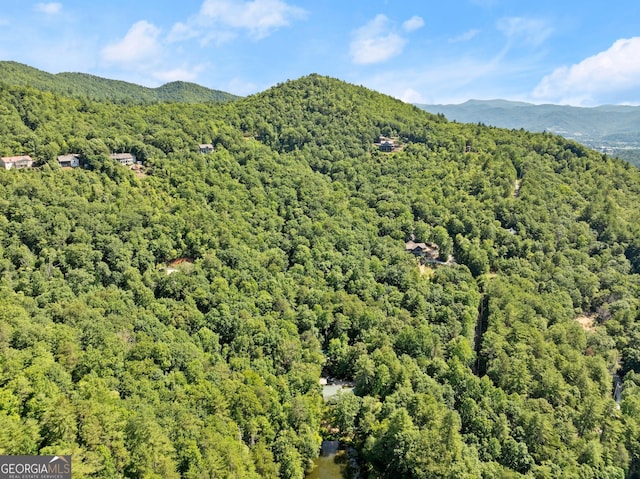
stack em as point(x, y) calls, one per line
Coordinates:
point(611, 129)
point(82, 85)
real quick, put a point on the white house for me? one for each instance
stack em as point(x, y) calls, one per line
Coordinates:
point(206, 148)
point(126, 159)
point(69, 161)
point(24, 161)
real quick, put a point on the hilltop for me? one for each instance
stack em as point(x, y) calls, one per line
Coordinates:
point(82, 85)
point(610, 128)
point(478, 286)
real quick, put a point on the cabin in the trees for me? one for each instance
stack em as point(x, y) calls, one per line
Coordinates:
point(206, 148)
point(126, 159)
point(386, 145)
point(72, 160)
point(24, 161)
point(427, 251)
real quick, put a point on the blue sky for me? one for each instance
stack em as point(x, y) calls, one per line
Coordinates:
point(583, 52)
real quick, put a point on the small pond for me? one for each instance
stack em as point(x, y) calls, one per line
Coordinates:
point(332, 463)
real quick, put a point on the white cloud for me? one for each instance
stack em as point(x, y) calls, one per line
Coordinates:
point(414, 23)
point(183, 73)
point(602, 77)
point(181, 32)
point(218, 37)
point(140, 44)
point(531, 31)
point(376, 42)
point(259, 17)
point(48, 8)
point(221, 20)
point(409, 95)
point(465, 37)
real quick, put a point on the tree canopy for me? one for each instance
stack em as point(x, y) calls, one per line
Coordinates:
point(82, 85)
point(290, 238)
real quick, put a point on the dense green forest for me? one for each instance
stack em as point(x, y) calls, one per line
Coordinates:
point(292, 237)
point(82, 85)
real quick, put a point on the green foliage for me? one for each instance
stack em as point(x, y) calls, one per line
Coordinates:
point(291, 236)
point(81, 85)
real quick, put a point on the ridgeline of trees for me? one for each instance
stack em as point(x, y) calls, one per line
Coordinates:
point(82, 85)
point(295, 229)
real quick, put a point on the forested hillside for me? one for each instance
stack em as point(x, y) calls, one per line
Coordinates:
point(81, 85)
point(291, 239)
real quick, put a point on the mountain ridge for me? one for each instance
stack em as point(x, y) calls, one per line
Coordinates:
point(85, 85)
point(612, 129)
